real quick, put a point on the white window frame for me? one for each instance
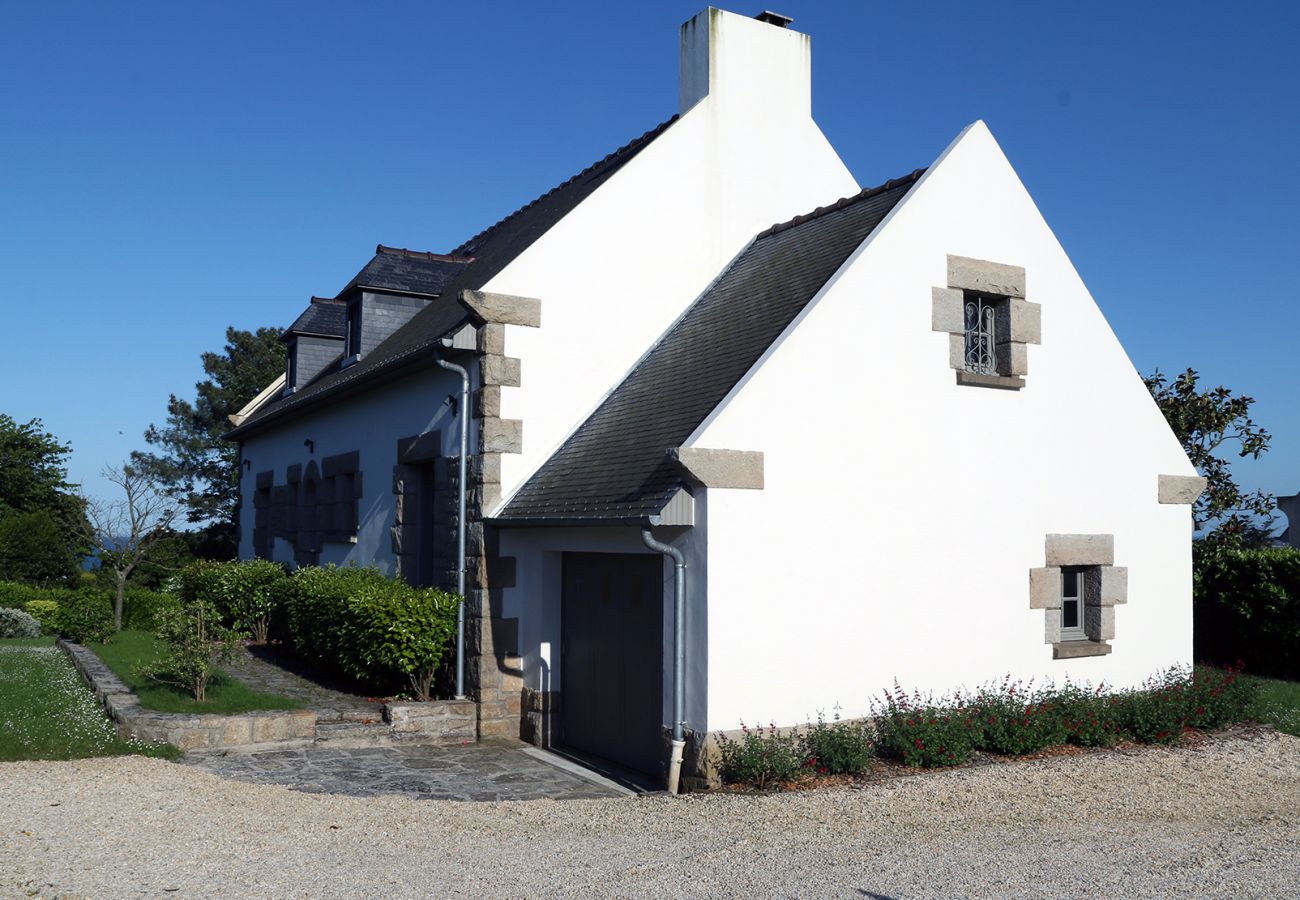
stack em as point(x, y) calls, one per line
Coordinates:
point(1081, 575)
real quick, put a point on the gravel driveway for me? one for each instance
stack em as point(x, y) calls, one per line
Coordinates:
point(1221, 819)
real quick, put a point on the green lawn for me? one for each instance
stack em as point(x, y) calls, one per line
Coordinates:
point(128, 650)
point(46, 711)
point(1278, 704)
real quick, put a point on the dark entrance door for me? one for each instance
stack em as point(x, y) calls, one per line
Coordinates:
point(611, 702)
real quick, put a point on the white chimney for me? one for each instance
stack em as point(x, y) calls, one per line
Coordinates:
point(757, 63)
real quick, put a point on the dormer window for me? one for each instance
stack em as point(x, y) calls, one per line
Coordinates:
point(352, 342)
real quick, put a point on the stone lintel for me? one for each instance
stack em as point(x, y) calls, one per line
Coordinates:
point(1080, 549)
point(720, 468)
point(1180, 488)
point(1000, 382)
point(1078, 649)
point(1045, 588)
point(503, 309)
point(986, 277)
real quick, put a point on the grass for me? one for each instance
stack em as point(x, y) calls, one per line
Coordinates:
point(46, 711)
point(1278, 704)
point(128, 650)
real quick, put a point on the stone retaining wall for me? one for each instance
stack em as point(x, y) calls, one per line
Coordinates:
point(184, 731)
point(432, 722)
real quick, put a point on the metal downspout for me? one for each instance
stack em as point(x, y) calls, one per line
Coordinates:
point(464, 414)
point(679, 654)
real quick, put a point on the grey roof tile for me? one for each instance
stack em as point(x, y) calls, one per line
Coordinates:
point(614, 467)
point(325, 316)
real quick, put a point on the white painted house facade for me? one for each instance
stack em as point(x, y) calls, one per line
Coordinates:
point(892, 437)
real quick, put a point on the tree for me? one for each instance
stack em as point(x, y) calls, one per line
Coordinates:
point(35, 549)
point(1208, 422)
point(40, 514)
point(125, 531)
point(193, 463)
point(33, 470)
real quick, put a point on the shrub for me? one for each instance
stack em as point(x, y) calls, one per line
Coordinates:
point(1157, 712)
point(761, 757)
point(1218, 697)
point(142, 610)
point(16, 596)
point(196, 641)
point(1247, 607)
point(1090, 716)
point(44, 612)
point(85, 615)
point(14, 623)
point(922, 732)
point(837, 747)
point(1014, 719)
point(377, 630)
point(243, 591)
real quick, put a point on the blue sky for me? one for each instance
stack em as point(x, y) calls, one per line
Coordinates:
point(167, 170)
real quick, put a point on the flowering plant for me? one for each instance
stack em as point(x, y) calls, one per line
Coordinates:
point(921, 731)
point(761, 756)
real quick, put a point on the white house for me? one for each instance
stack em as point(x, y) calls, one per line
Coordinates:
point(890, 437)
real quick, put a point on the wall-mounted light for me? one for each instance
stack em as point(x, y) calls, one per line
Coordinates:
point(310, 445)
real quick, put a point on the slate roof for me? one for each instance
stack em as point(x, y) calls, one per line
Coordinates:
point(325, 316)
point(492, 250)
point(408, 271)
point(614, 468)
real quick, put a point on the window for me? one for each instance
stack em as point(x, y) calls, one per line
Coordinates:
point(291, 367)
point(981, 319)
point(1072, 594)
point(352, 346)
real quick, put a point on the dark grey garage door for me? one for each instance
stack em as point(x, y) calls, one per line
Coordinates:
point(612, 655)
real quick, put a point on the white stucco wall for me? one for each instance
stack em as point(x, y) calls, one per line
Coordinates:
point(902, 512)
point(615, 273)
point(371, 423)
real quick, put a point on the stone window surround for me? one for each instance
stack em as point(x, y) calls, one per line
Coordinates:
point(315, 505)
point(1018, 319)
point(1104, 588)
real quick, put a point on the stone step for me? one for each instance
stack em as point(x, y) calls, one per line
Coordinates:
point(351, 735)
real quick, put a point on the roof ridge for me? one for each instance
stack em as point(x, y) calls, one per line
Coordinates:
point(423, 254)
point(652, 133)
point(315, 299)
point(820, 211)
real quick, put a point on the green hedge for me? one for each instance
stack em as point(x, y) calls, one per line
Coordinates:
point(1247, 608)
point(376, 630)
point(244, 592)
point(85, 615)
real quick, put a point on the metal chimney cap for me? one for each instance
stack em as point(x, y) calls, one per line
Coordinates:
point(774, 18)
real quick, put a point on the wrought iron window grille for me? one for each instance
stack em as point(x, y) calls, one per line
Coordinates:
point(981, 335)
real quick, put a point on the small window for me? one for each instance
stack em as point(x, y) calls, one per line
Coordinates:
point(353, 342)
point(291, 367)
point(1072, 588)
point(982, 313)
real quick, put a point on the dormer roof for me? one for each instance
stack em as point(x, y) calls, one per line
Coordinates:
point(325, 317)
point(408, 271)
